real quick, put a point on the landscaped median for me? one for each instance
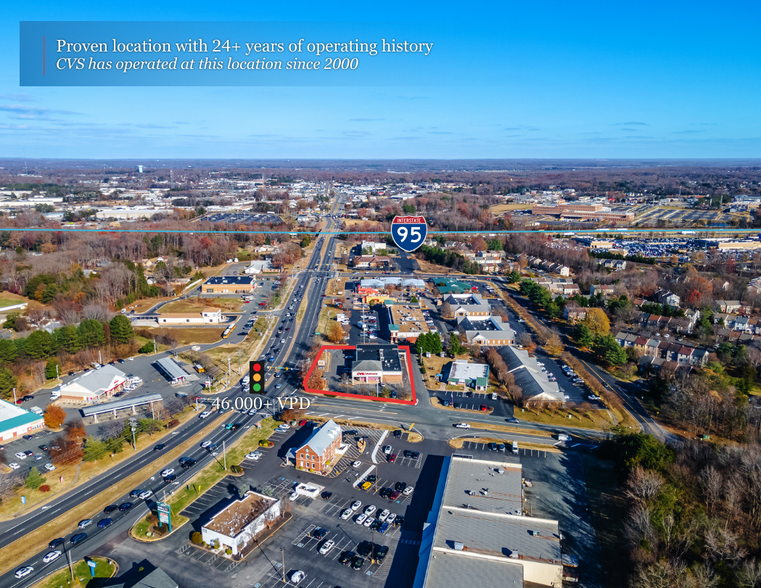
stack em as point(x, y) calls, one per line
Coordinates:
point(18, 551)
point(147, 529)
point(437, 402)
point(458, 443)
point(105, 568)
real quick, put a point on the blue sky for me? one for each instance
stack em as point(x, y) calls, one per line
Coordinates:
point(512, 80)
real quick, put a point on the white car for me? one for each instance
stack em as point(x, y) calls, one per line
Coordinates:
point(251, 412)
point(356, 464)
point(13, 465)
point(355, 505)
point(51, 556)
point(346, 514)
point(25, 571)
point(462, 426)
point(391, 518)
point(204, 414)
point(297, 576)
point(84, 523)
point(593, 397)
point(369, 509)
point(408, 490)
point(284, 426)
point(293, 496)
point(368, 521)
point(387, 449)
point(361, 517)
point(255, 455)
point(383, 515)
point(205, 444)
point(167, 472)
point(327, 546)
point(20, 455)
point(145, 494)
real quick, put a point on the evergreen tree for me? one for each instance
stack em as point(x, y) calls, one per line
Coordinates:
point(50, 369)
point(8, 351)
point(582, 335)
point(94, 450)
point(68, 339)
point(121, 329)
point(33, 479)
point(608, 350)
point(91, 334)
point(454, 344)
point(40, 345)
point(7, 382)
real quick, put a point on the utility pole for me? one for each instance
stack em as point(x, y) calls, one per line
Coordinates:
point(14, 397)
point(133, 428)
point(282, 551)
point(224, 455)
point(57, 375)
point(100, 358)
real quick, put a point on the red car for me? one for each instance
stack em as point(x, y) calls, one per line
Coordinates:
point(302, 422)
point(262, 304)
point(394, 495)
point(392, 458)
point(484, 407)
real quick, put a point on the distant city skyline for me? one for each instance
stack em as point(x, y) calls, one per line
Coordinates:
point(666, 80)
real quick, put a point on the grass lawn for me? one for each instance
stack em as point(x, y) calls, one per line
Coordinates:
point(336, 286)
point(434, 365)
point(208, 476)
point(82, 575)
point(588, 419)
point(10, 299)
point(350, 222)
point(245, 350)
point(503, 208)
point(192, 336)
point(198, 304)
point(17, 551)
point(142, 305)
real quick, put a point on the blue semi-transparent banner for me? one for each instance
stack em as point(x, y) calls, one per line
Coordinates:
point(229, 54)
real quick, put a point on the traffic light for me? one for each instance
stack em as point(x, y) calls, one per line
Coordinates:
point(256, 376)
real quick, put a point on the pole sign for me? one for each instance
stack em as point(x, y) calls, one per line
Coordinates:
point(92, 566)
point(409, 232)
point(165, 515)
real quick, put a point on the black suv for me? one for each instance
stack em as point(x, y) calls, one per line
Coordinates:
point(398, 433)
point(399, 486)
point(380, 553)
point(407, 453)
point(187, 462)
point(319, 533)
point(346, 557)
point(357, 563)
point(364, 548)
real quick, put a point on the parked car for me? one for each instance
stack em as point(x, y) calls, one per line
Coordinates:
point(392, 458)
point(346, 514)
point(360, 518)
point(355, 505)
point(326, 547)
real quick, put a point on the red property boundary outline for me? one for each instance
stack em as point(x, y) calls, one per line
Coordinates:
point(406, 350)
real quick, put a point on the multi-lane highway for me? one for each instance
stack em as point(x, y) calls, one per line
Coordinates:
point(311, 281)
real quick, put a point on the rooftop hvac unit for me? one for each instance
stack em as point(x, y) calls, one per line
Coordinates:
point(459, 546)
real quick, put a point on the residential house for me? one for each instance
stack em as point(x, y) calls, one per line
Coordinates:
point(601, 289)
point(668, 298)
point(574, 313)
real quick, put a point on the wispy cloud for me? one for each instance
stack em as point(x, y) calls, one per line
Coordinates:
point(24, 109)
point(366, 119)
point(633, 123)
point(17, 97)
point(688, 132)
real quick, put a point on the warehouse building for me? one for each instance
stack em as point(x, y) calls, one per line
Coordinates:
point(476, 534)
point(16, 422)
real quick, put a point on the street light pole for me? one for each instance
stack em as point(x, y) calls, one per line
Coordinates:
point(14, 397)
